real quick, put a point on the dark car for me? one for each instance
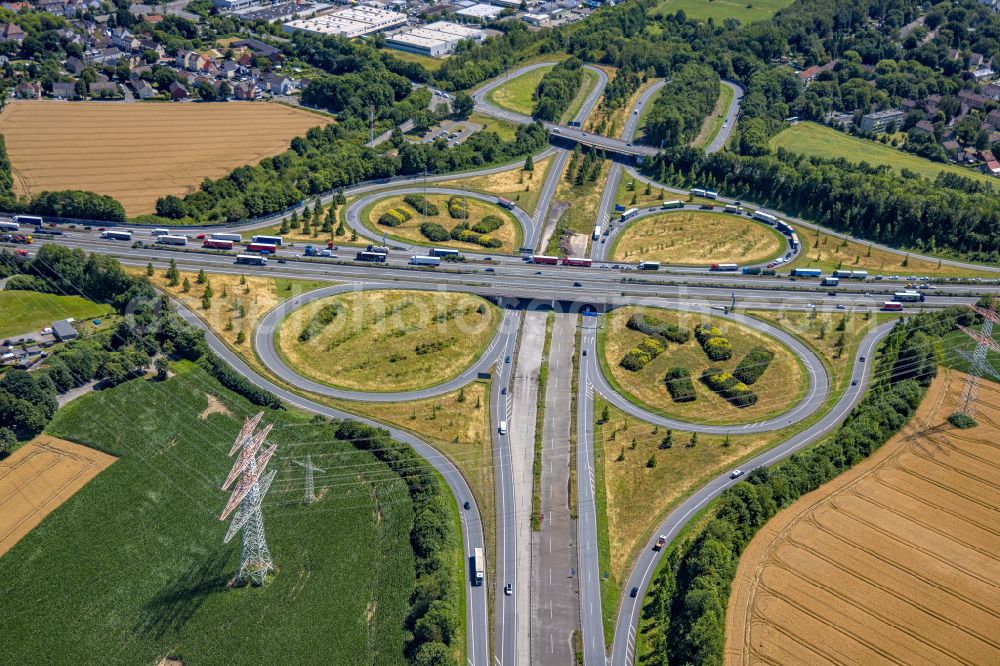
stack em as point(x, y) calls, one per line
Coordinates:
point(634, 593)
point(577, 284)
point(507, 360)
point(467, 505)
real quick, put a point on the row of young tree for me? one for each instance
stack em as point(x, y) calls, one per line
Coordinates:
point(691, 590)
point(952, 214)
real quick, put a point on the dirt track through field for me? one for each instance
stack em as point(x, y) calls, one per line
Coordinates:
point(896, 561)
point(139, 152)
point(37, 478)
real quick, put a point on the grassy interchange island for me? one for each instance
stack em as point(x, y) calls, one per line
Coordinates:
point(387, 340)
point(462, 223)
point(780, 384)
point(697, 238)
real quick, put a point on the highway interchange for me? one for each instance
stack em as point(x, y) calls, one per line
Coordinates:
point(519, 287)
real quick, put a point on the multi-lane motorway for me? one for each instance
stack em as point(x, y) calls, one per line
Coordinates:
point(516, 285)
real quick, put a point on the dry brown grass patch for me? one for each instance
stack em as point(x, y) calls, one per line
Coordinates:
point(522, 187)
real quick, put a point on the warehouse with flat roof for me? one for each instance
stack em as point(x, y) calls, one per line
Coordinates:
point(434, 39)
point(350, 22)
point(481, 11)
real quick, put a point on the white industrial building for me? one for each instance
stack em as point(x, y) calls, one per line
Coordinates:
point(350, 22)
point(481, 11)
point(434, 39)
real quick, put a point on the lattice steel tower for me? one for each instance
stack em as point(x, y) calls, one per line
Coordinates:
point(978, 367)
point(249, 492)
point(310, 487)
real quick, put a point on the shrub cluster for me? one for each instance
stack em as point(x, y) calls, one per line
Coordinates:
point(690, 593)
point(433, 619)
point(458, 208)
point(236, 382)
point(433, 231)
point(488, 224)
point(716, 347)
point(420, 204)
point(729, 387)
point(679, 384)
point(463, 233)
point(638, 357)
point(753, 365)
point(319, 321)
point(394, 217)
point(653, 326)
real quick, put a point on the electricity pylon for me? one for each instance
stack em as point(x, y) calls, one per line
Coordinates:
point(978, 366)
point(310, 488)
point(252, 485)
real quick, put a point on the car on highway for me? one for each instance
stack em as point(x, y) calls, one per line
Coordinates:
point(584, 352)
point(652, 208)
point(635, 112)
point(491, 270)
point(862, 359)
point(467, 505)
point(507, 360)
point(577, 284)
point(503, 391)
point(556, 130)
point(200, 237)
point(736, 473)
point(508, 589)
point(661, 541)
point(841, 306)
point(634, 592)
point(831, 293)
point(854, 382)
point(771, 265)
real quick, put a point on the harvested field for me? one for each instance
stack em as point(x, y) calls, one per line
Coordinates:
point(696, 237)
point(39, 477)
point(139, 152)
point(895, 561)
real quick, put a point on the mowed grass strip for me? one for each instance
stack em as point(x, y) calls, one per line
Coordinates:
point(138, 152)
point(719, 10)
point(388, 340)
point(510, 234)
point(518, 94)
point(521, 187)
point(29, 311)
point(816, 140)
point(778, 389)
point(697, 238)
point(134, 564)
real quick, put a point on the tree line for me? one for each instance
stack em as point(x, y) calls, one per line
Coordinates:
point(952, 214)
point(690, 591)
point(557, 89)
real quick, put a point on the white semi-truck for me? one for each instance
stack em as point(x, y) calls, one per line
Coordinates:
point(478, 567)
point(425, 260)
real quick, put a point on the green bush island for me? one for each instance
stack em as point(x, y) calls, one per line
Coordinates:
point(458, 208)
point(753, 365)
point(638, 357)
point(729, 387)
point(653, 326)
point(488, 224)
point(716, 347)
point(679, 384)
point(433, 231)
point(464, 234)
point(394, 217)
point(419, 203)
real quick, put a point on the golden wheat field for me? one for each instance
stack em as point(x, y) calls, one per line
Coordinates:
point(896, 561)
point(141, 151)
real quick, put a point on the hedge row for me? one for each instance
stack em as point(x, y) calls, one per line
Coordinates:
point(420, 204)
point(716, 347)
point(394, 217)
point(488, 224)
point(638, 357)
point(729, 387)
point(753, 365)
point(653, 326)
point(433, 231)
point(458, 208)
point(688, 599)
point(679, 384)
point(236, 382)
point(319, 321)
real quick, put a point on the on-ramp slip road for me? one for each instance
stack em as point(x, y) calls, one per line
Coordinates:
point(623, 653)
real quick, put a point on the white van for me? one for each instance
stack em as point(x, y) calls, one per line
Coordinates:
point(503, 428)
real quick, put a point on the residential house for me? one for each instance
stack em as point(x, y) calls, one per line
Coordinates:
point(75, 66)
point(104, 89)
point(986, 155)
point(973, 100)
point(64, 90)
point(229, 69)
point(993, 119)
point(925, 126)
point(992, 91)
point(975, 60)
point(276, 84)
point(245, 90)
point(807, 75)
point(953, 148)
point(992, 167)
point(143, 90)
point(29, 90)
point(178, 91)
point(11, 33)
point(880, 121)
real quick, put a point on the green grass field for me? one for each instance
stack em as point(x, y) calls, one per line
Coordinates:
point(430, 64)
point(710, 128)
point(132, 568)
point(818, 141)
point(517, 94)
point(29, 311)
point(745, 12)
point(388, 340)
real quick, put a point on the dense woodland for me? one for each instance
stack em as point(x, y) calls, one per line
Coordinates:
point(682, 105)
point(556, 90)
point(691, 589)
